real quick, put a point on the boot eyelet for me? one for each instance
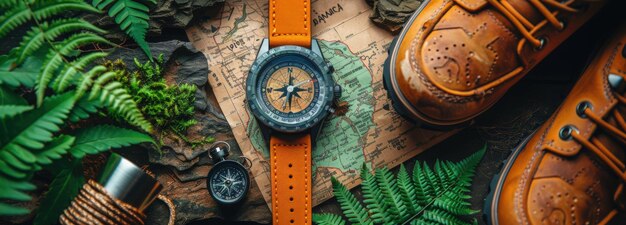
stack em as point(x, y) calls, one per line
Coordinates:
point(566, 132)
point(543, 41)
point(581, 107)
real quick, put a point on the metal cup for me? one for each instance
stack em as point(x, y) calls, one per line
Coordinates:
point(127, 182)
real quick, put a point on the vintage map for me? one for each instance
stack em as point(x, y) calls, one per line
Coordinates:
point(369, 132)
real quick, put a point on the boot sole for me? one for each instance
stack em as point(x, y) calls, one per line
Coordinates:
point(490, 209)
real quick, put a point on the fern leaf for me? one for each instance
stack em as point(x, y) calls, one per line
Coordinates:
point(349, 204)
point(48, 9)
point(452, 191)
point(389, 189)
point(9, 210)
point(55, 59)
point(15, 161)
point(33, 128)
point(455, 205)
point(407, 190)
point(16, 16)
point(328, 219)
point(8, 97)
point(36, 37)
point(54, 149)
point(8, 3)
point(433, 180)
point(10, 171)
point(132, 18)
point(63, 189)
point(66, 77)
point(424, 192)
point(14, 190)
point(96, 139)
point(26, 74)
point(439, 216)
point(12, 110)
point(87, 80)
point(118, 101)
point(373, 198)
point(83, 109)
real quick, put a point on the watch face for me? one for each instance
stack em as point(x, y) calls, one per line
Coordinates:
point(228, 182)
point(289, 88)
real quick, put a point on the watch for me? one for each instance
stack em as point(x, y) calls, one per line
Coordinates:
point(290, 91)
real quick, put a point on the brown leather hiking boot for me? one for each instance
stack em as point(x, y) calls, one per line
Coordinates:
point(571, 171)
point(455, 58)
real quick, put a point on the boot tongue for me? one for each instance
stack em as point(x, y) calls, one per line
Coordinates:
point(527, 10)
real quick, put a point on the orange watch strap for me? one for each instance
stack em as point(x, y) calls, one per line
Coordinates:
point(291, 179)
point(290, 23)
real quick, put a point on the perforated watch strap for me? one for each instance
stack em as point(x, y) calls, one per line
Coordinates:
point(291, 179)
point(290, 22)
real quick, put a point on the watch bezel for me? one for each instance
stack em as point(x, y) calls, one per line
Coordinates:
point(259, 66)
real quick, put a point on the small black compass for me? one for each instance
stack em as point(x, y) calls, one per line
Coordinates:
point(228, 181)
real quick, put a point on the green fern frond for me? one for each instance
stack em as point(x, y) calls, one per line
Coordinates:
point(452, 191)
point(10, 171)
point(21, 12)
point(12, 110)
point(8, 97)
point(439, 216)
point(26, 74)
point(373, 198)
point(14, 190)
point(349, 204)
point(16, 16)
point(387, 184)
point(36, 37)
point(34, 127)
point(423, 190)
point(328, 219)
point(407, 191)
point(132, 17)
point(112, 95)
point(83, 109)
point(67, 75)
point(8, 3)
point(54, 149)
point(55, 59)
point(434, 196)
point(30, 130)
point(87, 80)
point(65, 185)
point(47, 9)
point(96, 139)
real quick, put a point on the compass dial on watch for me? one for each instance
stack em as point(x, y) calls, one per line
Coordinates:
point(290, 88)
point(228, 182)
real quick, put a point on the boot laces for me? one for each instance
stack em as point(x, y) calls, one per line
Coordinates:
point(615, 130)
point(525, 26)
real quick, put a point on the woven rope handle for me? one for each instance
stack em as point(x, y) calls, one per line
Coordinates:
point(94, 205)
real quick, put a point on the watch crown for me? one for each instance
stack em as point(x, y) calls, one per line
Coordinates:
point(331, 69)
point(337, 91)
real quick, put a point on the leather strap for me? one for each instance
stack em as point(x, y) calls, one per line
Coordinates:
point(290, 23)
point(291, 179)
